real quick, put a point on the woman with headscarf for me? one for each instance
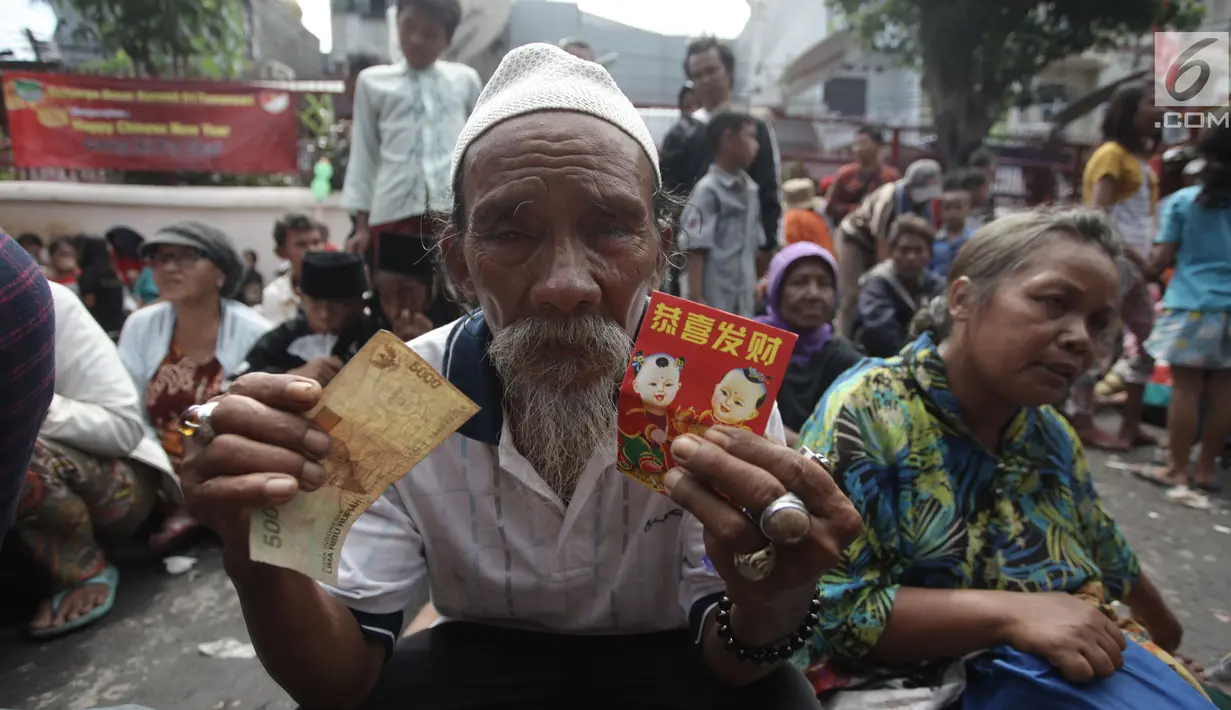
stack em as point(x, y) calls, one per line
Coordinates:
point(800, 297)
point(987, 566)
point(180, 350)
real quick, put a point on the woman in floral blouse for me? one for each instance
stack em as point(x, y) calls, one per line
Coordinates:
point(180, 350)
point(984, 538)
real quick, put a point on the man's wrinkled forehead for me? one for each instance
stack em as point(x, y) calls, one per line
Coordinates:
point(559, 140)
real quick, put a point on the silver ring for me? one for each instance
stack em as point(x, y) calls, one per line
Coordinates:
point(195, 423)
point(786, 521)
point(818, 458)
point(756, 566)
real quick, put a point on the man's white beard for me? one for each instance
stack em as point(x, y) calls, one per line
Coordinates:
point(557, 418)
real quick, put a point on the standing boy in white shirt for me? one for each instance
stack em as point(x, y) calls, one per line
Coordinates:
point(407, 118)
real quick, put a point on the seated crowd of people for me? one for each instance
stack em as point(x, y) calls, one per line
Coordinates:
point(959, 554)
point(131, 357)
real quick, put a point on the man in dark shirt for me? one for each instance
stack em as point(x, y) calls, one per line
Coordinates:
point(710, 65)
point(27, 367)
point(330, 327)
point(855, 181)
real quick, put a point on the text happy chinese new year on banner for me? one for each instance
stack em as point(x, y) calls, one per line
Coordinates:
point(694, 367)
point(66, 121)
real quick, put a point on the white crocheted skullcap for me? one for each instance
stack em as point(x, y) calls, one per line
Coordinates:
point(542, 77)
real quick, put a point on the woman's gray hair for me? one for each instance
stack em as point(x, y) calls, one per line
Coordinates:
point(1008, 245)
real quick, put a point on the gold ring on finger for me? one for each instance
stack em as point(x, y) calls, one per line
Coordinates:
point(195, 422)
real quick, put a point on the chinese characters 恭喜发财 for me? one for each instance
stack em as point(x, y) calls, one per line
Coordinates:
point(698, 329)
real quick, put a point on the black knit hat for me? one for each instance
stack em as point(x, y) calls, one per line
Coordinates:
point(333, 275)
point(405, 254)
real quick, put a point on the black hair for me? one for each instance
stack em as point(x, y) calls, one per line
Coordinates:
point(1119, 122)
point(973, 180)
point(953, 181)
point(126, 241)
point(910, 225)
point(701, 45)
point(980, 158)
point(292, 222)
point(29, 238)
point(871, 132)
point(685, 90)
point(447, 12)
point(1215, 146)
point(70, 242)
point(93, 256)
point(724, 122)
point(757, 378)
point(356, 63)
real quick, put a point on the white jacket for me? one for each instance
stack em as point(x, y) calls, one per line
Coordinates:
point(95, 408)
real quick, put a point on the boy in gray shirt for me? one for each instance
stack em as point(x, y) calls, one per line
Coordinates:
point(722, 221)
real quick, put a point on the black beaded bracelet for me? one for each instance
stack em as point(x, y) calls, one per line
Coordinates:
point(769, 654)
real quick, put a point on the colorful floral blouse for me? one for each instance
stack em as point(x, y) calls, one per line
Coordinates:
point(178, 384)
point(941, 511)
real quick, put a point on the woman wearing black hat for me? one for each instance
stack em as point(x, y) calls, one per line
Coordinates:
point(180, 350)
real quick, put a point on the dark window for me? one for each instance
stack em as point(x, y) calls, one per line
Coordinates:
point(847, 97)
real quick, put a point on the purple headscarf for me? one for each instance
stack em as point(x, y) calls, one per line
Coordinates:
point(810, 341)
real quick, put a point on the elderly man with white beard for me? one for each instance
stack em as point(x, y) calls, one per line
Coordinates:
point(561, 582)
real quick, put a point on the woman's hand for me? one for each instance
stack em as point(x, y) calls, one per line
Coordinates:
point(731, 470)
point(1078, 639)
point(263, 453)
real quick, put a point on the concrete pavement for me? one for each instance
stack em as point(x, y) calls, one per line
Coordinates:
point(146, 653)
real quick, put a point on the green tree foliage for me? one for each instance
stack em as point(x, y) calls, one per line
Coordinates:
point(168, 38)
point(978, 56)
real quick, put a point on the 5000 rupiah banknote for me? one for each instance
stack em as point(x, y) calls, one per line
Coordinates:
point(386, 410)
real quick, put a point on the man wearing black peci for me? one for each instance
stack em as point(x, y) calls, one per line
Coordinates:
point(332, 324)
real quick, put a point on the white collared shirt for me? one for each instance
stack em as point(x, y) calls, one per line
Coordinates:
point(497, 545)
point(406, 124)
point(279, 301)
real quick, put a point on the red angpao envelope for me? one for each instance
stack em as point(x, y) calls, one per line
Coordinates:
point(694, 367)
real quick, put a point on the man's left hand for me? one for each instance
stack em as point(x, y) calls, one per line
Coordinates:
point(728, 471)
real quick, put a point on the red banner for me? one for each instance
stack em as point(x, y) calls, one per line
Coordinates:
point(64, 121)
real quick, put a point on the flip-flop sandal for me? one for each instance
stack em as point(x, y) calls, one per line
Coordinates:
point(1207, 487)
point(110, 577)
point(1149, 474)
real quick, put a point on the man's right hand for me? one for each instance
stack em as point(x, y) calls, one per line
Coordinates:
point(263, 453)
point(1079, 640)
point(359, 242)
point(321, 369)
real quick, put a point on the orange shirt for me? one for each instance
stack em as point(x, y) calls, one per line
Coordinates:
point(801, 225)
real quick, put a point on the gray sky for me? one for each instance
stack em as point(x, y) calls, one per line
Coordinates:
point(724, 18)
